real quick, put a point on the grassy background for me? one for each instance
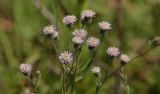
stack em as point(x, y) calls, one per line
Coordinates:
point(21, 40)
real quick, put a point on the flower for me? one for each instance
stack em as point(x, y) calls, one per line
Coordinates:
point(87, 15)
point(26, 69)
point(96, 70)
point(92, 42)
point(77, 40)
point(27, 91)
point(156, 41)
point(80, 33)
point(50, 30)
point(125, 58)
point(69, 19)
point(66, 57)
point(104, 25)
point(113, 51)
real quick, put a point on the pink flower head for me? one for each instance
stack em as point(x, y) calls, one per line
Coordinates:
point(113, 51)
point(69, 19)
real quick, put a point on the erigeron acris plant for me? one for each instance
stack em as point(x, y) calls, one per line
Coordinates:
point(73, 70)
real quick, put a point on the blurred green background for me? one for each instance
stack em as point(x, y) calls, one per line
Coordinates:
point(134, 22)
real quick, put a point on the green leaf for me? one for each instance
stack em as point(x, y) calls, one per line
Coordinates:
point(62, 84)
point(7, 49)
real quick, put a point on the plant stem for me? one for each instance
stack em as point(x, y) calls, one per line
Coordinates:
point(107, 78)
point(110, 75)
point(59, 44)
point(69, 37)
point(141, 54)
point(97, 85)
point(34, 84)
point(102, 37)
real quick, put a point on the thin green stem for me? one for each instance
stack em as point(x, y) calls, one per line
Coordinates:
point(69, 37)
point(59, 44)
point(102, 37)
point(74, 73)
point(98, 83)
point(34, 84)
point(84, 62)
point(62, 83)
point(54, 45)
point(107, 78)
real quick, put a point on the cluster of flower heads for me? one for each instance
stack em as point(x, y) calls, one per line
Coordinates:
point(115, 52)
point(112, 53)
point(79, 36)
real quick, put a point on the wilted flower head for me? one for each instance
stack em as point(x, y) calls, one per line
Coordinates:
point(104, 25)
point(50, 31)
point(77, 40)
point(124, 59)
point(87, 15)
point(69, 19)
point(96, 70)
point(92, 42)
point(26, 69)
point(27, 91)
point(66, 57)
point(80, 33)
point(156, 41)
point(113, 51)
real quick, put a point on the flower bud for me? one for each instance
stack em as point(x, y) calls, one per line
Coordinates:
point(38, 73)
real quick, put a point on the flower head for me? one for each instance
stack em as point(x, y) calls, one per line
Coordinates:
point(87, 15)
point(26, 69)
point(27, 91)
point(80, 33)
point(66, 57)
point(104, 25)
point(125, 58)
point(69, 19)
point(96, 70)
point(77, 40)
point(113, 51)
point(50, 31)
point(92, 42)
point(156, 41)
